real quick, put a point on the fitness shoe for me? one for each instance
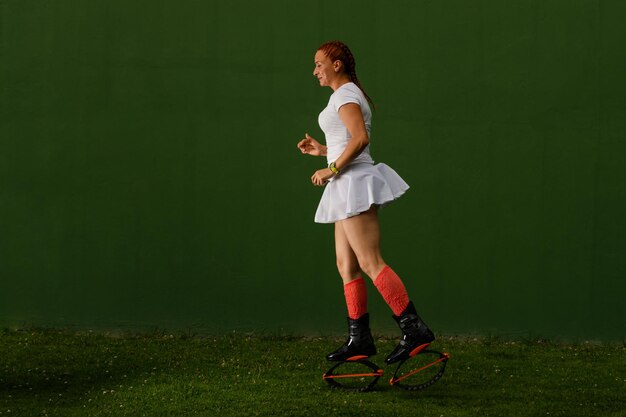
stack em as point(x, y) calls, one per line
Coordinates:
point(416, 336)
point(360, 343)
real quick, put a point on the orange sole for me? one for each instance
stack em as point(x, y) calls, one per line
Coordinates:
point(418, 349)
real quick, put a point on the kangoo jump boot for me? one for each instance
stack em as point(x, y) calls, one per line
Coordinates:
point(416, 336)
point(360, 343)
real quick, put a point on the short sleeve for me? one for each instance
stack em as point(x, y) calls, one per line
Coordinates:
point(344, 96)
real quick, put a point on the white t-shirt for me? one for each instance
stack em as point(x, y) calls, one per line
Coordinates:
point(337, 135)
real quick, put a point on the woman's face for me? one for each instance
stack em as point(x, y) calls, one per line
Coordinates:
point(324, 69)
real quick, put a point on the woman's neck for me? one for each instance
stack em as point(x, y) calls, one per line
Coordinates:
point(339, 81)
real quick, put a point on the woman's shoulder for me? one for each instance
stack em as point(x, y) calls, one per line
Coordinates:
point(348, 88)
point(349, 92)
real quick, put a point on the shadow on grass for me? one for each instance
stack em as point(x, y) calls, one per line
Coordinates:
point(63, 369)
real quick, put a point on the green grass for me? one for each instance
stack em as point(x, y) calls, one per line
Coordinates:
point(63, 373)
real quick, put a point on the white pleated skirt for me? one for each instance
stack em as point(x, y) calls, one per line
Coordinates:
point(356, 189)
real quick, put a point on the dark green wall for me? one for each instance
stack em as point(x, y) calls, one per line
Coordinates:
point(149, 174)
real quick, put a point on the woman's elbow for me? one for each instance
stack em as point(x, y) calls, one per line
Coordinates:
point(360, 141)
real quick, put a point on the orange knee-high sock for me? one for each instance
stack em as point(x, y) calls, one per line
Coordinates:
point(392, 289)
point(356, 298)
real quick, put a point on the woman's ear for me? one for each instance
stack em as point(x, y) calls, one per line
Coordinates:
point(337, 65)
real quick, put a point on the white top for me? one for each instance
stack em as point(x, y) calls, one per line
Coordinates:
point(337, 135)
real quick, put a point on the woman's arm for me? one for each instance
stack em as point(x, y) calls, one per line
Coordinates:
point(353, 119)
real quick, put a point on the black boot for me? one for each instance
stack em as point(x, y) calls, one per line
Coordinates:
point(415, 334)
point(359, 343)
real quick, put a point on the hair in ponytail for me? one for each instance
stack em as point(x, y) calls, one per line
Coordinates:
point(337, 50)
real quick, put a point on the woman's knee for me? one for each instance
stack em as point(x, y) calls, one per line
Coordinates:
point(372, 265)
point(347, 270)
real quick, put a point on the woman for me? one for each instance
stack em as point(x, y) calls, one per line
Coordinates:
point(355, 188)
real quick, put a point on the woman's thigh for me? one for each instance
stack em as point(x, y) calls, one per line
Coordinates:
point(363, 235)
point(347, 262)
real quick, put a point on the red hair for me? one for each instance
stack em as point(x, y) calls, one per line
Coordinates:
point(337, 50)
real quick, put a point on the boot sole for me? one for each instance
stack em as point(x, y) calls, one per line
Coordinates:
point(412, 353)
point(418, 349)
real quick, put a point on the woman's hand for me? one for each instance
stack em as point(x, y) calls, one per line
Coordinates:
point(310, 146)
point(321, 176)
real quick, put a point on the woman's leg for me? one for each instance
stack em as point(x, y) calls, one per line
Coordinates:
point(360, 341)
point(347, 262)
point(363, 235)
point(348, 266)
